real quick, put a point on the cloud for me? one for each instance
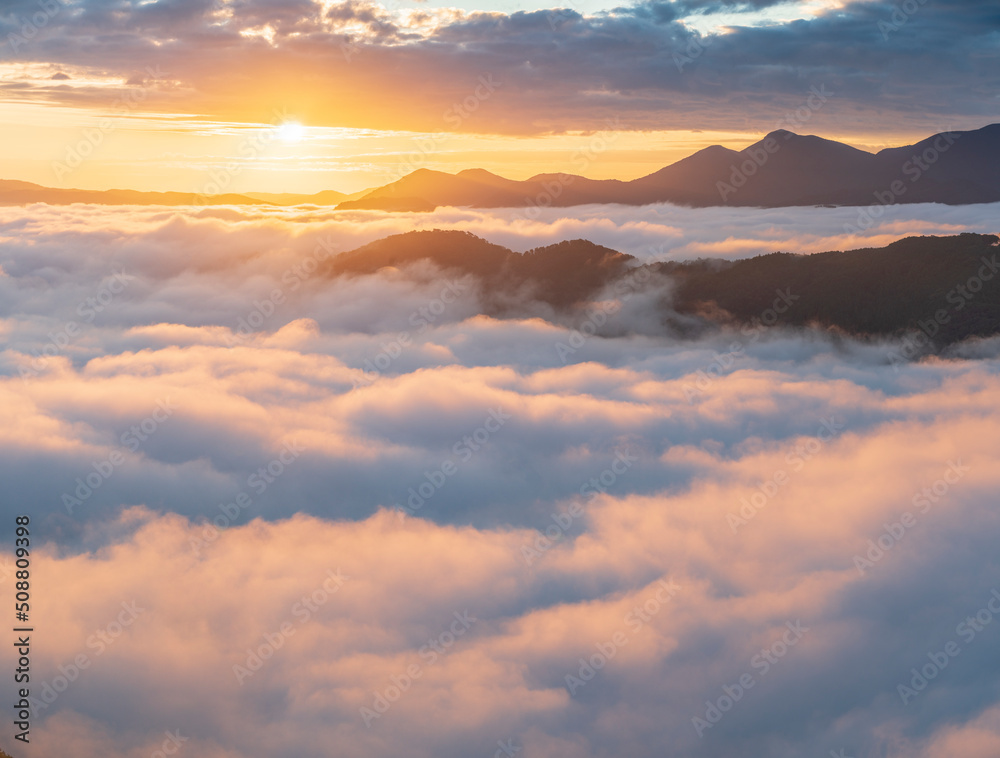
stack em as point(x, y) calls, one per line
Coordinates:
point(343, 514)
point(559, 70)
point(200, 620)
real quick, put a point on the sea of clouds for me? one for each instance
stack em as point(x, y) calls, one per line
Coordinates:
point(278, 514)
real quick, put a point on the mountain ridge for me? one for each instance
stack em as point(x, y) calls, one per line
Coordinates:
point(17, 192)
point(910, 286)
point(783, 169)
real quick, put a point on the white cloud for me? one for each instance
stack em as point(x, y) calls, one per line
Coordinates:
point(629, 459)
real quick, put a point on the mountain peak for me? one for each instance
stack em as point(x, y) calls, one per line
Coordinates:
point(810, 147)
point(781, 135)
point(478, 173)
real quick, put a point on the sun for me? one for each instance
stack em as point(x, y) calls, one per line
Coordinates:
point(291, 131)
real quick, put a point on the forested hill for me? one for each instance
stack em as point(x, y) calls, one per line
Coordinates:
point(946, 287)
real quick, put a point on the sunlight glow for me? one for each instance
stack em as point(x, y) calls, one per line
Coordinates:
point(291, 131)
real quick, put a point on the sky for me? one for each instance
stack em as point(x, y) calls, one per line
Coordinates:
point(278, 512)
point(272, 514)
point(302, 96)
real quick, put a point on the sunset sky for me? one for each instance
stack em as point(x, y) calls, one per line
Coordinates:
point(179, 90)
point(469, 468)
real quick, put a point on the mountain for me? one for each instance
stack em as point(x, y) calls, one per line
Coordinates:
point(690, 181)
point(21, 193)
point(783, 169)
point(326, 197)
point(788, 169)
point(389, 203)
point(477, 188)
point(560, 275)
point(481, 189)
point(946, 287)
point(14, 192)
point(967, 171)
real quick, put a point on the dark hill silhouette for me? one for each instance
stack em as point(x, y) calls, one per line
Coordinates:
point(913, 284)
point(390, 203)
point(872, 291)
point(448, 249)
point(968, 171)
point(783, 169)
point(690, 181)
point(567, 272)
point(560, 275)
point(482, 176)
point(803, 170)
point(20, 193)
point(13, 192)
point(438, 188)
point(326, 197)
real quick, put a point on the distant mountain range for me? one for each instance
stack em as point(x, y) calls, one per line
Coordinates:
point(783, 169)
point(14, 192)
point(948, 288)
point(560, 275)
